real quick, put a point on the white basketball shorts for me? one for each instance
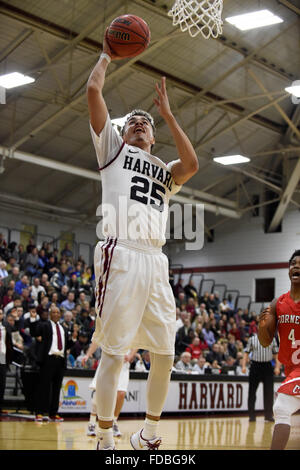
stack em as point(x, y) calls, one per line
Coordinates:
point(135, 304)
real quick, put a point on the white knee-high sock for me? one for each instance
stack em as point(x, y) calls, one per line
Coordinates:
point(157, 390)
point(107, 384)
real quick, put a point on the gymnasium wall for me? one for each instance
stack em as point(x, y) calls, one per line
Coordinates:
point(48, 229)
point(241, 252)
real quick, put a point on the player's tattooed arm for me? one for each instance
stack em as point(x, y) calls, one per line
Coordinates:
point(267, 323)
point(187, 165)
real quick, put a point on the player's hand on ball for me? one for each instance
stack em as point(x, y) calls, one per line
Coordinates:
point(107, 50)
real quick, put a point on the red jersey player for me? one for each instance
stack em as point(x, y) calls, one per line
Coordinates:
point(284, 314)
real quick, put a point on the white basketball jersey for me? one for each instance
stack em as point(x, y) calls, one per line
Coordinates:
point(136, 188)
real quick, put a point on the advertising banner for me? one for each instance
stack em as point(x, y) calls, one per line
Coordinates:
point(184, 396)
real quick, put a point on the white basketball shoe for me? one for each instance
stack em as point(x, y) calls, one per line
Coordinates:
point(139, 443)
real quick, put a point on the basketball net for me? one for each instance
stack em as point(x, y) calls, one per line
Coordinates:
point(198, 16)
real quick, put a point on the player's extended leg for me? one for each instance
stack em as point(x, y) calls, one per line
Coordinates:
point(157, 390)
point(119, 404)
point(284, 407)
point(106, 394)
point(91, 431)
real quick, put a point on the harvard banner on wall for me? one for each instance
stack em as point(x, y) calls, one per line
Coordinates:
point(184, 396)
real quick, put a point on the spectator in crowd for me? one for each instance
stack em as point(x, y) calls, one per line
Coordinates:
point(212, 303)
point(13, 275)
point(191, 308)
point(67, 252)
point(196, 348)
point(179, 318)
point(143, 362)
point(208, 334)
point(230, 302)
point(202, 366)
point(8, 298)
point(3, 244)
point(6, 349)
point(51, 267)
point(3, 271)
point(79, 363)
point(87, 279)
point(32, 262)
point(238, 316)
point(36, 288)
point(63, 294)
point(184, 364)
point(203, 299)
point(22, 284)
point(25, 298)
point(67, 322)
point(22, 255)
point(190, 290)
point(232, 349)
point(253, 327)
point(146, 359)
point(215, 367)
point(69, 304)
point(84, 320)
point(215, 355)
point(45, 281)
point(224, 306)
point(180, 300)
point(60, 278)
point(179, 289)
point(82, 341)
point(74, 285)
point(184, 336)
point(234, 331)
point(217, 299)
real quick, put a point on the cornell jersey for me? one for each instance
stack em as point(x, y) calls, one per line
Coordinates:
point(136, 188)
point(288, 325)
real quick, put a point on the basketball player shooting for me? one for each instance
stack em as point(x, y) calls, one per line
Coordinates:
point(284, 315)
point(134, 301)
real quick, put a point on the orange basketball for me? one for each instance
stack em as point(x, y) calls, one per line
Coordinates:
point(128, 35)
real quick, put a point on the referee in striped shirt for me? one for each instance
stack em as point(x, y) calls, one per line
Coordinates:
point(261, 370)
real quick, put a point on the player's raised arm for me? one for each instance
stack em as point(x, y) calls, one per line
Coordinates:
point(267, 324)
point(96, 104)
point(187, 165)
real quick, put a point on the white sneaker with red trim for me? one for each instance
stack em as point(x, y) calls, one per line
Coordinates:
point(139, 443)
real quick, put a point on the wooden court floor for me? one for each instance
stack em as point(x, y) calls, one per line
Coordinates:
point(204, 433)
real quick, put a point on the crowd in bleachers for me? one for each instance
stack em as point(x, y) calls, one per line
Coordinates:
point(211, 333)
point(31, 280)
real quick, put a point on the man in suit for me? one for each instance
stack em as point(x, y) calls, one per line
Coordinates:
point(52, 344)
point(6, 349)
point(184, 336)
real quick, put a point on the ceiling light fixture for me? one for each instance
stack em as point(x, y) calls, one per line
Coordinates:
point(15, 79)
point(231, 159)
point(294, 90)
point(256, 19)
